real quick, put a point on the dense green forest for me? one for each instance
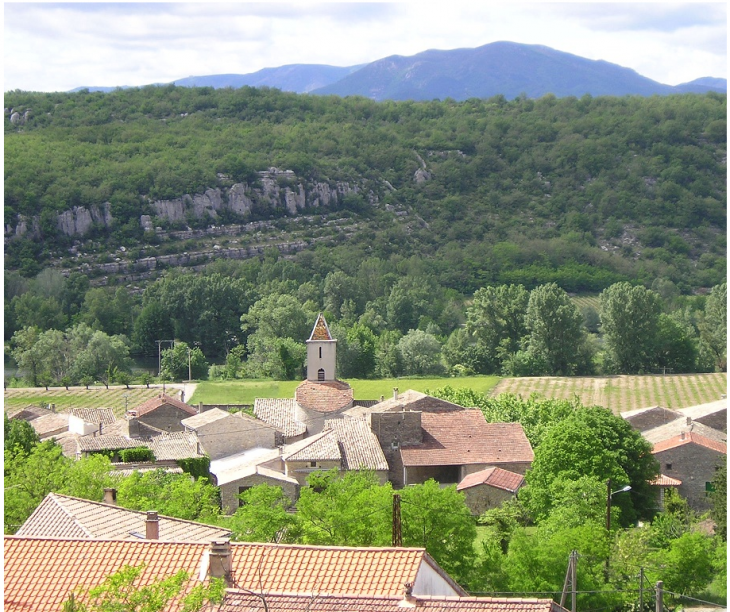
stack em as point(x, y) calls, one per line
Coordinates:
point(582, 192)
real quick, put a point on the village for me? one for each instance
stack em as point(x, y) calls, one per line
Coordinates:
point(405, 440)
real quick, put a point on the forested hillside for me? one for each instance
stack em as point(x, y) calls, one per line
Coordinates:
point(584, 192)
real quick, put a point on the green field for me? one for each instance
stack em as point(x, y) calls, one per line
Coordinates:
point(246, 391)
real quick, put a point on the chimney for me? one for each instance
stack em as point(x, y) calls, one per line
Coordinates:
point(408, 601)
point(689, 421)
point(382, 398)
point(110, 497)
point(395, 393)
point(681, 436)
point(219, 560)
point(152, 525)
point(100, 427)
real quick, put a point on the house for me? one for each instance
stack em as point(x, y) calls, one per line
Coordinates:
point(489, 488)
point(650, 417)
point(109, 444)
point(664, 482)
point(222, 434)
point(683, 424)
point(237, 473)
point(40, 573)
point(712, 414)
point(62, 516)
point(691, 458)
point(86, 421)
point(242, 601)
point(157, 415)
point(281, 413)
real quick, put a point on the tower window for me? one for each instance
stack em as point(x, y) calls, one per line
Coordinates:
point(320, 374)
point(320, 352)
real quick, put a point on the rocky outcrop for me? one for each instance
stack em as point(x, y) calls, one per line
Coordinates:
point(275, 190)
point(78, 220)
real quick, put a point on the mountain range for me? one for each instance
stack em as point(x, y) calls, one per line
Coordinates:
point(499, 68)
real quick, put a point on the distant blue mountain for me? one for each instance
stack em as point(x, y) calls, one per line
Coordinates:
point(299, 78)
point(499, 68)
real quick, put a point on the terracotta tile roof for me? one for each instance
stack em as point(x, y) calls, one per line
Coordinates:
point(679, 426)
point(107, 442)
point(240, 601)
point(40, 573)
point(61, 516)
point(464, 437)
point(666, 481)
point(493, 477)
point(94, 415)
point(690, 438)
point(154, 403)
point(175, 445)
point(281, 413)
point(326, 397)
point(359, 445)
point(321, 330)
point(319, 447)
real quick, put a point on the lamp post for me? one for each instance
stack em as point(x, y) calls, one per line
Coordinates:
point(609, 495)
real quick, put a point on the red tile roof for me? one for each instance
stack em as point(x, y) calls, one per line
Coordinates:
point(154, 403)
point(493, 477)
point(464, 437)
point(239, 601)
point(321, 330)
point(326, 397)
point(690, 438)
point(40, 573)
point(666, 481)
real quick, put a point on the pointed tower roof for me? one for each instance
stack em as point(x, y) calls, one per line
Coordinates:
point(320, 331)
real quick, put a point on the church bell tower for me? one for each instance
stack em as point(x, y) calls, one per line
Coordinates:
point(321, 353)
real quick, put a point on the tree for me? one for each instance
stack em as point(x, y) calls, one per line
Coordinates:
point(555, 332)
point(438, 519)
point(278, 316)
point(420, 353)
point(496, 320)
point(102, 357)
point(676, 345)
point(181, 361)
point(596, 443)
point(630, 321)
point(272, 357)
point(124, 592)
point(170, 494)
point(20, 438)
point(686, 566)
point(718, 500)
point(355, 350)
point(714, 326)
point(351, 509)
point(263, 517)
point(26, 353)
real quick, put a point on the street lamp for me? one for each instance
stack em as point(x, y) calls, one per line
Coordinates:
point(609, 495)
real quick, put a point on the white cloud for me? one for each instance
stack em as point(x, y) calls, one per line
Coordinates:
point(58, 46)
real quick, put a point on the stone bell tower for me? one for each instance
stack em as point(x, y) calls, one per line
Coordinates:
point(321, 353)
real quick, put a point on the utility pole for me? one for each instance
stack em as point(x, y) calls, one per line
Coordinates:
point(660, 596)
point(159, 353)
point(570, 579)
point(641, 589)
point(397, 526)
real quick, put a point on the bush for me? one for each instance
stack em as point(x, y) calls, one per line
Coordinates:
point(136, 455)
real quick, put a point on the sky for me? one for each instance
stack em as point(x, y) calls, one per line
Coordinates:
point(60, 46)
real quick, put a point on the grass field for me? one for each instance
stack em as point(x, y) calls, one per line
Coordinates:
point(619, 393)
point(116, 398)
point(246, 391)
point(622, 393)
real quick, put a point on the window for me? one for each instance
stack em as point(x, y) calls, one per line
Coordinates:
point(668, 466)
point(320, 374)
point(320, 352)
point(312, 464)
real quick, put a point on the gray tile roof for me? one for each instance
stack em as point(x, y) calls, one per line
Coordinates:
point(281, 413)
point(107, 442)
point(175, 445)
point(359, 445)
point(94, 415)
point(319, 447)
point(679, 426)
point(61, 516)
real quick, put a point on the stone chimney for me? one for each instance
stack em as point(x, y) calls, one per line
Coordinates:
point(152, 525)
point(681, 436)
point(395, 393)
point(689, 421)
point(101, 425)
point(219, 560)
point(110, 497)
